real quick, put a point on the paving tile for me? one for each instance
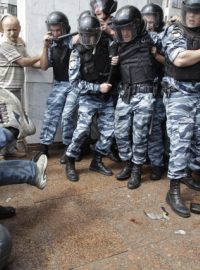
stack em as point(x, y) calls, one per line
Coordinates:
point(98, 223)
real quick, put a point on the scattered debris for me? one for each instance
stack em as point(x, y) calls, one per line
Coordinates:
point(164, 215)
point(181, 232)
point(135, 221)
point(8, 199)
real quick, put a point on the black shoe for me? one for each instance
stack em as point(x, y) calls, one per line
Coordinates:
point(7, 212)
point(125, 172)
point(44, 148)
point(174, 199)
point(98, 166)
point(135, 180)
point(191, 183)
point(157, 173)
point(70, 170)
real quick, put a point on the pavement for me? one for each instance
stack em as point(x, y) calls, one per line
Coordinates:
point(99, 224)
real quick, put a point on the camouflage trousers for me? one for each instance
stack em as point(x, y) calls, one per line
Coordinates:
point(59, 101)
point(89, 105)
point(156, 140)
point(183, 128)
point(132, 126)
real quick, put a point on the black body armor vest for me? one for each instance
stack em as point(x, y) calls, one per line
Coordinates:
point(60, 62)
point(191, 73)
point(95, 64)
point(136, 62)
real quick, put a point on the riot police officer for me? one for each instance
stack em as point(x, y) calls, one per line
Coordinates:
point(181, 44)
point(56, 53)
point(135, 103)
point(157, 141)
point(88, 71)
point(153, 15)
point(103, 9)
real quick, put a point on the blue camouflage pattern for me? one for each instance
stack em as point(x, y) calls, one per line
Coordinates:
point(91, 102)
point(61, 105)
point(156, 143)
point(132, 121)
point(132, 126)
point(183, 113)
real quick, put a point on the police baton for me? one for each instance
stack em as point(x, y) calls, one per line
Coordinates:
point(114, 52)
point(66, 35)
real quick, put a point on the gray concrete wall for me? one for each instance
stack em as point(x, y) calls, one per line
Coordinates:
point(32, 15)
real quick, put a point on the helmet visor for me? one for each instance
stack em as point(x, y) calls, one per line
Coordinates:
point(97, 5)
point(125, 33)
point(191, 16)
point(57, 29)
point(151, 21)
point(90, 38)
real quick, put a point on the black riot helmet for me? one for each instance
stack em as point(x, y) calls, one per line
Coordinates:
point(57, 17)
point(127, 23)
point(157, 12)
point(107, 6)
point(192, 6)
point(89, 30)
point(84, 14)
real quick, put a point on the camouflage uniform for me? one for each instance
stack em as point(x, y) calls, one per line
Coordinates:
point(156, 143)
point(182, 101)
point(61, 101)
point(91, 101)
point(132, 118)
point(131, 132)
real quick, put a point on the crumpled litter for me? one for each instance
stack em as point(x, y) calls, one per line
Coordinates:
point(164, 215)
point(182, 232)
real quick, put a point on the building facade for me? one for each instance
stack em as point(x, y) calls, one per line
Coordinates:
point(8, 6)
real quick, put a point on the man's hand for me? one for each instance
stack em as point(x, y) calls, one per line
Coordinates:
point(105, 88)
point(47, 39)
point(114, 60)
point(75, 39)
point(106, 28)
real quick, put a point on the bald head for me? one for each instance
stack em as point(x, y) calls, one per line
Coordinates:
point(11, 28)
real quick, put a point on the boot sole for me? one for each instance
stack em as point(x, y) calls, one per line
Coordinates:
point(72, 180)
point(178, 213)
point(133, 187)
point(75, 179)
point(94, 170)
point(123, 178)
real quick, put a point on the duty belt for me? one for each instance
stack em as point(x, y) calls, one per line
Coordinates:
point(129, 90)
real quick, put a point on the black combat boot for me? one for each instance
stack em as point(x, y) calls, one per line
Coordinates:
point(174, 199)
point(98, 166)
point(114, 155)
point(126, 171)
point(44, 149)
point(156, 173)
point(135, 180)
point(70, 169)
point(190, 182)
point(63, 158)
